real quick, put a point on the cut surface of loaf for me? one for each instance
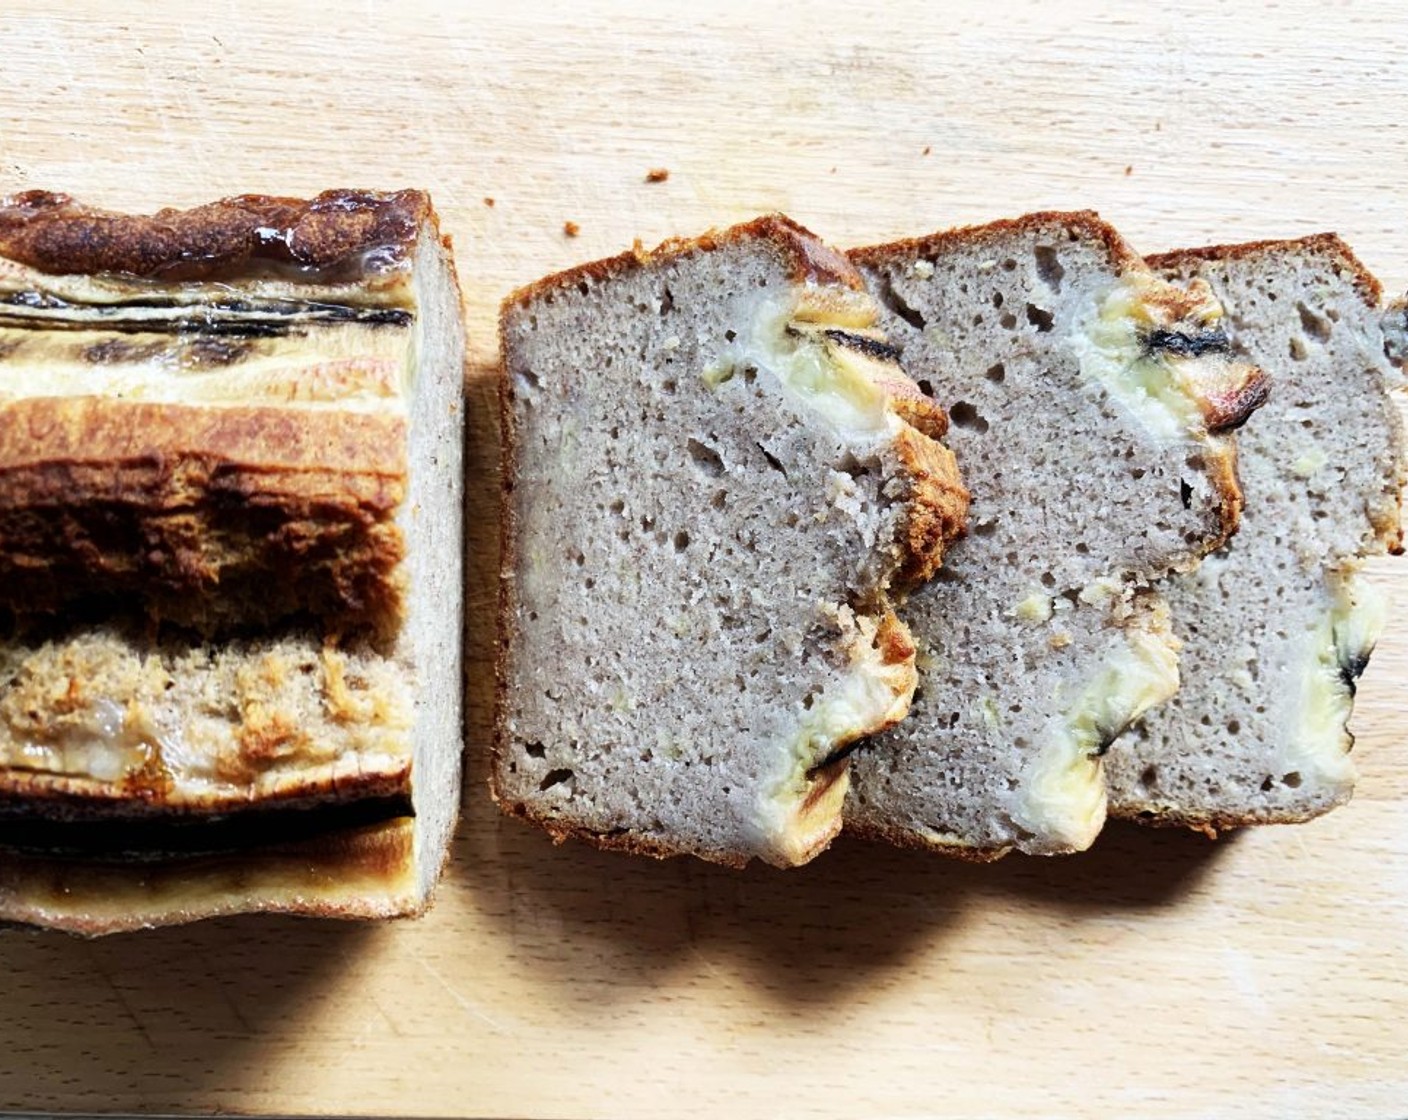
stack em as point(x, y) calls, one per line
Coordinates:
point(1277, 625)
point(230, 525)
point(717, 476)
point(1087, 398)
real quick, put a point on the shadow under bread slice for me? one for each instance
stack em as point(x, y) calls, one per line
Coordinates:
point(1089, 402)
point(230, 537)
point(1277, 625)
point(716, 478)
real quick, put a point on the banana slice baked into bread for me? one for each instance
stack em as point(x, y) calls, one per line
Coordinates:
point(717, 475)
point(1087, 398)
point(1278, 624)
point(230, 443)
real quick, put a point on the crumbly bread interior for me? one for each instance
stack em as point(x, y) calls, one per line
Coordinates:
point(105, 721)
point(711, 492)
point(1277, 625)
point(117, 721)
point(1084, 396)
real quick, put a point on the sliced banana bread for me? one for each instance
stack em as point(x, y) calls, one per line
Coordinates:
point(1087, 398)
point(1277, 625)
point(716, 476)
point(230, 557)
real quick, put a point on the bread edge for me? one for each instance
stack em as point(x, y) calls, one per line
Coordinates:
point(52, 233)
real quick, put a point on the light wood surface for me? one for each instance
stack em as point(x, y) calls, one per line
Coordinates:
point(1158, 975)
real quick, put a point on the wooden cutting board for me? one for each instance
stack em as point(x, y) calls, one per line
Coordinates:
point(1159, 975)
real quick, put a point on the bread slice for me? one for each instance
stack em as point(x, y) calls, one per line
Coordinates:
point(1087, 399)
point(230, 523)
point(717, 475)
point(1278, 624)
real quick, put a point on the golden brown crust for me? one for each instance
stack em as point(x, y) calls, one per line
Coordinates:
point(1074, 225)
point(339, 236)
point(900, 837)
point(1330, 244)
point(613, 840)
point(280, 511)
point(808, 259)
point(937, 509)
point(1212, 822)
point(363, 872)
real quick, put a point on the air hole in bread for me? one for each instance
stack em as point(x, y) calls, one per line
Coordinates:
point(854, 467)
point(707, 460)
point(681, 541)
point(885, 291)
point(1149, 777)
point(1233, 726)
point(730, 335)
point(773, 461)
point(965, 415)
point(1008, 321)
point(997, 299)
point(1048, 267)
point(1009, 265)
point(667, 302)
point(1185, 493)
point(1040, 318)
point(1048, 579)
point(1082, 548)
point(985, 528)
point(1291, 780)
point(1313, 324)
point(1297, 348)
point(556, 778)
point(719, 500)
point(536, 750)
point(997, 374)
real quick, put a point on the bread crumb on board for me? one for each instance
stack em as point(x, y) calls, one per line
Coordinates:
point(489, 202)
point(571, 229)
point(657, 174)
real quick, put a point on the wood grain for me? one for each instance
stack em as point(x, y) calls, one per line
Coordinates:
point(1158, 975)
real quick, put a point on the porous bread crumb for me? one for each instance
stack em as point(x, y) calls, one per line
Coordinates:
point(1275, 627)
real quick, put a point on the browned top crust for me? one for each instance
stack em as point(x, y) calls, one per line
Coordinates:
point(278, 510)
point(808, 257)
point(1329, 244)
point(339, 236)
point(1076, 224)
